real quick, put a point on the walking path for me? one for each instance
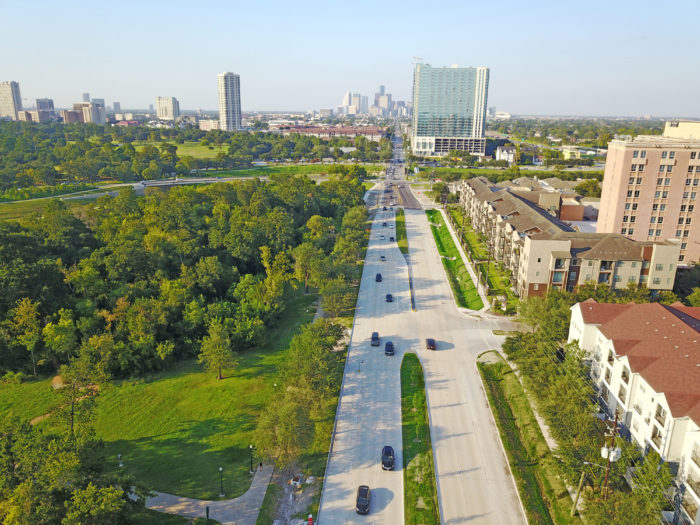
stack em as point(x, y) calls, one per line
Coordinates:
point(237, 511)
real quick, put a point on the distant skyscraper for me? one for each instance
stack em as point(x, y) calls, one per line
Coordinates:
point(91, 113)
point(10, 99)
point(229, 101)
point(117, 107)
point(150, 109)
point(86, 97)
point(168, 108)
point(449, 109)
point(44, 104)
point(99, 101)
point(364, 104)
point(382, 90)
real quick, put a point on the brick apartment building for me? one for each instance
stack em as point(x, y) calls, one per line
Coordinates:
point(542, 252)
point(645, 364)
point(650, 188)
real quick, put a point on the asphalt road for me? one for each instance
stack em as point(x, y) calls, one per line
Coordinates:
point(474, 483)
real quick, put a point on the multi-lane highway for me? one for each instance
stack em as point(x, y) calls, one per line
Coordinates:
point(474, 483)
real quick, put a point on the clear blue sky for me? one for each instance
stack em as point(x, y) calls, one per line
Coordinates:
point(613, 57)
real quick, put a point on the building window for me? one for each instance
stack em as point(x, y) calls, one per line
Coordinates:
point(651, 232)
point(629, 193)
point(633, 218)
point(691, 207)
point(685, 194)
point(658, 232)
point(671, 154)
point(627, 205)
point(631, 279)
point(660, 221)
point(625, 218)
point(634, 206)
point(635, 154)
point(663, 207)
point(656, 194)
point(683, 207)
point(626, 376)
point(653, 220)
point(659, 182)
point(678, 233)
point(631, 180)
point(688, 219)
point(664, 154)
point(640, 167)
point(681, 258)
point(630, 231)
point(688, 182)
point(690, 169)
point(685, 233)
point(659, 267)
point(667, 182)
point(692, 155)
point(695, 182)
point(664, 194)
point(633, 167)
point(634, 264)
point(623, 231)
point(684, 245)
point(692, 195)
point(680, 220)
point(639, 180)
point(654, 207)
point(669, 168)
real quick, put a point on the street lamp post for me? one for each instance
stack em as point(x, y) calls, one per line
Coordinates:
point(250, 447)
point(221, 481)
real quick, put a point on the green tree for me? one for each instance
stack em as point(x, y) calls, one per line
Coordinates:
point(285, 431)
point(306, 257)
point(61, 337)
point(95, 506)
point(337, 296)
point(216, 351)
point(694, 298)
point(25, 326)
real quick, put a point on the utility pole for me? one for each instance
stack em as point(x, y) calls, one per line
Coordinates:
point(610, 458)
point(578, 494)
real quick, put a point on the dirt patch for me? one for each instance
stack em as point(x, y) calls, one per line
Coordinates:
point(294, 501)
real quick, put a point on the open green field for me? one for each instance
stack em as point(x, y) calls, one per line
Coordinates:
point(20, 209)
point(542, 491)
point(175, 428)
point(401, 238)
point(462, 285)
point(419, 487)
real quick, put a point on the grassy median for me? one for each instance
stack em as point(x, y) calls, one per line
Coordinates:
point(542, 491)
point(462, 285)
point(401, 238)
point(419, 487)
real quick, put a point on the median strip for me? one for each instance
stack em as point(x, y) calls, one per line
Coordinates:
point(420, 489)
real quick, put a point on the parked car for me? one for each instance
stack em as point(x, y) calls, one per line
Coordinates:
point(381, 237)
point(363, 498)
point(389, 298)
point(384, 208)
point(375, 338)
point(388, 348)
point(383, 224)
point(430, 344)
point(378, 277)
point(387, 458)
point(382, 258)
point(391, 239)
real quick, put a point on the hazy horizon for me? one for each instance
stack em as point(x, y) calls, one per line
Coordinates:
point(621, 59)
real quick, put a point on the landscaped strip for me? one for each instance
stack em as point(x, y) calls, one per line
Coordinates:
point(419, 487)
point(466, 294)
point(495, 276)
point(401, 237)
point(542, 492)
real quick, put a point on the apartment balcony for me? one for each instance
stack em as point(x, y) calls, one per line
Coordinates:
point(608, 376)
point(625, 377)
point(656, 439)
point(661, 419)
point(696, 456)
point(690, 506)
point(638, 410)
point(694, 484)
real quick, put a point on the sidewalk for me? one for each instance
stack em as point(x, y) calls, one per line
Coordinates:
point(237, 511)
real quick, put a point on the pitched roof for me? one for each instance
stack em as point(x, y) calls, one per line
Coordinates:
point(662, 344)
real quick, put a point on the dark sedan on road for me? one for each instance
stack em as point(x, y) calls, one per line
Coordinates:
point(389, 348)
point(362, 501)
point(387, 458)
point(430, 344)
point(375, 339)
point(389, 298)
point(378, 278)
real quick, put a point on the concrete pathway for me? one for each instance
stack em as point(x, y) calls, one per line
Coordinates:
point(237, 511)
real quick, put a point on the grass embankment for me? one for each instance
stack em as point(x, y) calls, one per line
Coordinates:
point(268, 509)
point(497, 279)
point(462, 285)
point(149, 517)
point(542, 491)
point(177, 427)
point(419, 487)
point(401, 237)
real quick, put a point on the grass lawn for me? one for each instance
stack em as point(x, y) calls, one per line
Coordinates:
point(462, 285)
point(175, 428)
point(19, 209)
point(152, 517)
point(269, 505)
point(401, 238)
point(26, 400)
point(419, 487)
point(542, 491)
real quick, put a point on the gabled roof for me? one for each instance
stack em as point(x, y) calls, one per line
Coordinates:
point(662, 344)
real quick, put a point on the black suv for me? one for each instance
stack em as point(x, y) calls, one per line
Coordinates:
point(362, 501)
point(378, 277)
point(430, 344)
point(388, 348)
point(387, 458)
point(375, 338)
point(389, 298)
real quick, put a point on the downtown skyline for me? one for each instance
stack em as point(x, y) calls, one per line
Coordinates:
point(609, 60)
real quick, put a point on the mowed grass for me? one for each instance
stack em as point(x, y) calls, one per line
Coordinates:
point(542, 491)
point(27, 400)
point(462, 285)
point(401, 237)
point(176, 428)
point(20, 209)
point(419, 487)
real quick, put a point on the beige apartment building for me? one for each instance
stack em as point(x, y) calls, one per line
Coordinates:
point(651, 186)
point(543, 252)
point(645, 365)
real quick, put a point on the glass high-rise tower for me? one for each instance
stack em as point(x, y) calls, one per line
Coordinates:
point(449, 109)
point(229, 101)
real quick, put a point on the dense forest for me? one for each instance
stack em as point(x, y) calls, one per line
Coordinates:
point(48, 154)
point(134, 282)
